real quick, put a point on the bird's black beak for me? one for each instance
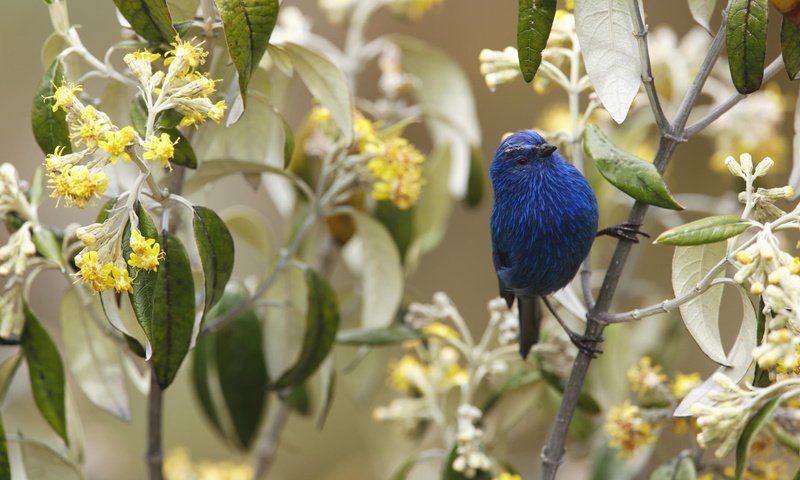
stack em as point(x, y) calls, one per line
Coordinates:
point(545, 149)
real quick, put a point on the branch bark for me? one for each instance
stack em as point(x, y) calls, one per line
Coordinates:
point(671, 136)
point(155, 455)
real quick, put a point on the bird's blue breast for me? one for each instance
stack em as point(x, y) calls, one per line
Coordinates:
point(543, 223)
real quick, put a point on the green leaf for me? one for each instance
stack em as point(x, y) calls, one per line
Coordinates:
point(203, 367)
point(248, 25)
point(184, 153)
point(390, 335)
point(149, 18)
point(752, 427)
point(46, 372)
point(327, 387)
point(790, 47)
point(240, 365)
point(8, 369)
point(216, 249)
point(50, 128)
point(634, 176)
point(93, 357)
point(43, 463)
point(520, 378)
point(746, 39)
point(37, 190)
point(212, 170)
point(105, 210)
point(700, 315)
point(298, 399)
point(144, 284)
point(706, 230)
point(172, 311)
point(702, 11)
point(607, 464)
point(47, 244)
point(322, 322)
point(326, 82)
point(183, 10)
point(476, 178)
point(685, 469)
point(288, 142)
point(401, 473)
point(138, 113)
point(399, 223)
point(448, 473)
point(534, 22)
point(5, 465)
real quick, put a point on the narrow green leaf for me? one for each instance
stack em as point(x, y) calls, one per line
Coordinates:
point(702, 11)
point(215, 245)
point(47, 244)
point(634, 176)
point(288, 142)
point(248, 25)
point(202, 368)
point(752, 427)
point(404, 469)
point(607, 464)
point(46, 373)
point(240, 365)
point(449, 473)
point(5, 465)
point(37, 190)
point(399, 223)
point(390, 335)
point(7, 371)
point(212, 170)
point(327, 377)
point(149, 18)
point(534, 22)
point(172, 311)
point(184, 153)
point(144, 284)
point(685, 470)
point(299, 400)
point(138, 113)
point(322, 322)
point(475, 187)
point(706, 230)
point(50, 128)
point(746, 39)
point(790, 47)
point(105, 210)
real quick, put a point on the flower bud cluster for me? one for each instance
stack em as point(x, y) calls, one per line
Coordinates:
point(470, 458)
point(725, 417)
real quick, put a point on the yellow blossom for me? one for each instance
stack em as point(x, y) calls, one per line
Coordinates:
point(405, 373)
point(684, 383)
point(142, 55)
point(412, 9)
point(76, 184)
point(455, 375)
point(160, 148)
point(397, 168)
point(90, 129)
point(744, 257)
point(122, 280)
point(507, 476)
point(146, 252)
point(645, 377)
point(364, 131)
point(186, 55)
point(191, 118)
point(93, 273)
point(320, 115)
point(64, 96)
point(217, 111)
point(438, 329)
point(627, 430)
point(795, 266)
point(116, 143)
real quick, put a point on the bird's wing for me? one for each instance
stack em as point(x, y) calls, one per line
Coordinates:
point(501, 263)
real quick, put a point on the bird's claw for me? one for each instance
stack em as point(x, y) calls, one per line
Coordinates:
point(624, 231)
point(586, 344)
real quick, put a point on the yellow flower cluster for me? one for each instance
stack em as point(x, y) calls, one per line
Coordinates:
point(102, 276)
point(627, 430)
point(646, 377)
point(412, 9)
point(76, 184)
point(160, 148)
point(146, 252)
point(178, 465)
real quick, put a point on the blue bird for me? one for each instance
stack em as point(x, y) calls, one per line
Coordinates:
point(543, 223)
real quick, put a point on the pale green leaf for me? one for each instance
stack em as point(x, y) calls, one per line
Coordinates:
point(700, 315)
point(610, 52)
point(7, 371)
point(756, 422)
point(390, 335)
point(434, 204)
point(182, 10)
point(381, 272)
point(43, 463)
point(47, 244)
point(702, 11)
point(706, 230)
point(794, 177)
point(92, 357)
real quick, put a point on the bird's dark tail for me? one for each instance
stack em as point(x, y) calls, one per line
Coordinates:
point(530, 317)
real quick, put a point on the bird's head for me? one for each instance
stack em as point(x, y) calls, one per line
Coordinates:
point(521, 153)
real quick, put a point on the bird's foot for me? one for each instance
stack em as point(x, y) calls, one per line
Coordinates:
point(624, 231)
point(586, 343)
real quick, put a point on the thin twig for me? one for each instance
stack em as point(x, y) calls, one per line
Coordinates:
point(155, 456)
point(553, 451)
point(731, 101)
point(647, 70)
point(269, 445)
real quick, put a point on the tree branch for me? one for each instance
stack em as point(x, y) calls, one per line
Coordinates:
point(267, 448)
point(723, 107)
point(155, 455)
point(553, 451)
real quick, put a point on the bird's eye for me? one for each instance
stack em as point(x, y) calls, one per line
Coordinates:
point(522, 161)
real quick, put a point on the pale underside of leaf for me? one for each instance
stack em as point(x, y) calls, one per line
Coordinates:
point(700, 315)
point(610, 52)
point(702, 11)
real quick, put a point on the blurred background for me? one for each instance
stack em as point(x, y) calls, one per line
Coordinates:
point(352, 445)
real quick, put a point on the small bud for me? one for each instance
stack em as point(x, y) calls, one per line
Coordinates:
point(744, 257)
point(746, 161)
point(757, 288)
point(763, 166)
point(734, 167)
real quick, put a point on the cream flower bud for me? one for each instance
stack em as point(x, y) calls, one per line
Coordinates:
point(763, 166)
point(746, 161)
point(734, 167)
